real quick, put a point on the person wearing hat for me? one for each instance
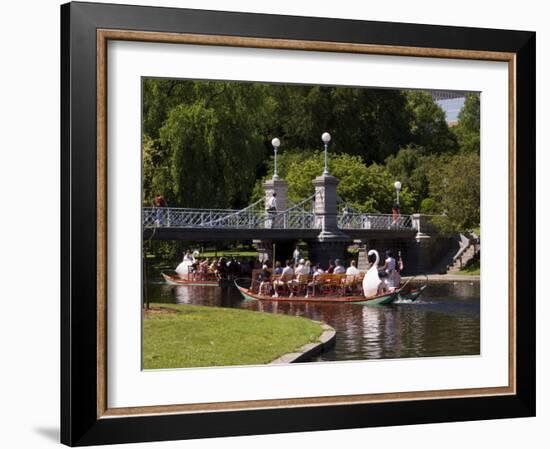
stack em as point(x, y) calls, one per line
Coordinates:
point(302, 268)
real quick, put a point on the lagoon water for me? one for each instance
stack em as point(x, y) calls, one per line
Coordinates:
point(445, 321)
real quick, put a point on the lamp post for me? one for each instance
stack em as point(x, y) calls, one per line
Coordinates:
point(276, 144)
point(326, 139)
point(397, 186)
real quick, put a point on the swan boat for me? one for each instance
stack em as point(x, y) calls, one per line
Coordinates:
point(191, 281)
point(411, 294)
point(386, 298)
point(363, 290)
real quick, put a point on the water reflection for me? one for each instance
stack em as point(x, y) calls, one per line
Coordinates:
point(444, 322)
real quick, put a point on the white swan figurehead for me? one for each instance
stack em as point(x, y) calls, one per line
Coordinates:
point(371, 281)
point(183, 268)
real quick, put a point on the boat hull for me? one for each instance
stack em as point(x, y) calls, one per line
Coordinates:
point(412, 295)
point(376, 300)
point(176, 280)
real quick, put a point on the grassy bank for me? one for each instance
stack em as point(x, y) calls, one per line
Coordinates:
point(229, 253)
point(472, 268)
point(470, 271)
point(184, 336)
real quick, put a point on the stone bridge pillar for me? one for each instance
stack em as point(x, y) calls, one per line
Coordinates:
point(428, 252)
point(331, 242)
point(280, 187)
point(326, 209)
point(283, 250)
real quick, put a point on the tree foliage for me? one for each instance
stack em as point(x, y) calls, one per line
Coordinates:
point(455, 186)
point(441, 184)
point(467, 129)
point(428, 126)
point(208, 144)
point(211, 145)
point(371, 123)
point(364, 188)
point(409, 167)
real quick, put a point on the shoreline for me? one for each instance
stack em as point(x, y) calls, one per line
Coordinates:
point(198, 336)
point(445, 278)
point(310, 350)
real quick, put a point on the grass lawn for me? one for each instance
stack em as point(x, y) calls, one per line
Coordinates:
point(198, 336)
point(229, 253)
point(474, 268)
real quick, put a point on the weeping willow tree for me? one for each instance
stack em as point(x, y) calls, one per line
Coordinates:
point(207, 146)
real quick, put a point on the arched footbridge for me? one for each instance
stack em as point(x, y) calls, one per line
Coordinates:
point(254, 222)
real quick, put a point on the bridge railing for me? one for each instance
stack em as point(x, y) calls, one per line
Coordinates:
point(171, 217)
point(294, 218)
point(374, 221)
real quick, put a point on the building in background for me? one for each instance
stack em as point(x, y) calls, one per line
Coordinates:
point(451, 101)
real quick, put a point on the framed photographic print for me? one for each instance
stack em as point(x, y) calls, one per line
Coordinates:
point(280, 224)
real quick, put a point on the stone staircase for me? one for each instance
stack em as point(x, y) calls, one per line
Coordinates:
point(469, 247)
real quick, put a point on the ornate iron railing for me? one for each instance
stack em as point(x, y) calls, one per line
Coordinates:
point(255, 217)
point(374, 221)
point(295, 217)
point(172, 217)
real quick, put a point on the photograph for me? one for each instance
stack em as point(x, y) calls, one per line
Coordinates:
point(271, 223)
point(286, 223)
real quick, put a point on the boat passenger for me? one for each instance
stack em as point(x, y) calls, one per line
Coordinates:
point(278, 269)
point(398, 268)
point(389, 268)
point(315, 280)
point(286, 276)
point(352, 269)
point(213, 265)
point(302, 268)
point(203, 266)
point(265, 281)
point(317, 270)
point(330, 268)
point(351, 280)
point(288, 270)
point(339, 268)
point(397, 279)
